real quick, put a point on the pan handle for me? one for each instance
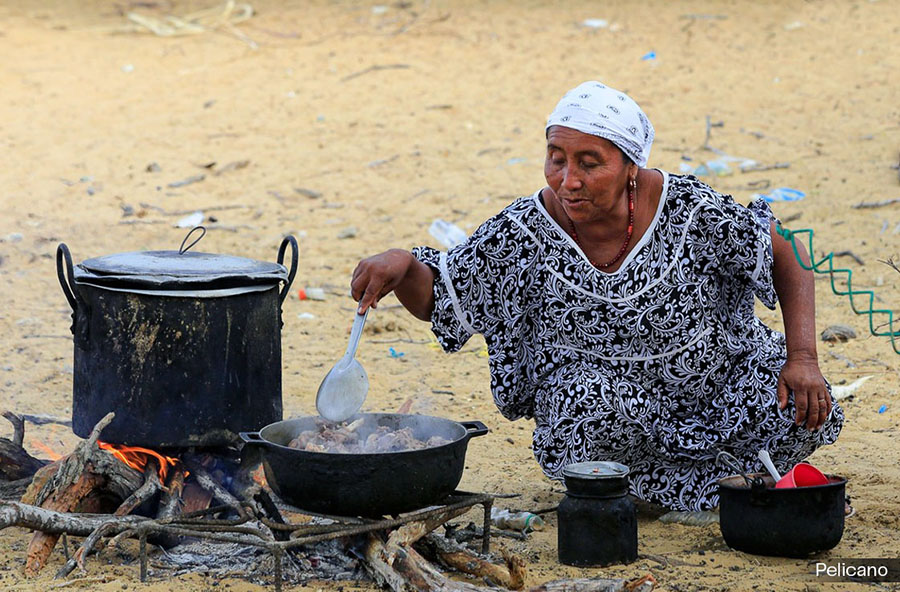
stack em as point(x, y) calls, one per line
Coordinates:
point(252, 438)
point(474, 428)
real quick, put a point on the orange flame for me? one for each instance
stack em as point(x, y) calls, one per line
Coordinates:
point(259, 476)
point(51, 454)
point(137, 457)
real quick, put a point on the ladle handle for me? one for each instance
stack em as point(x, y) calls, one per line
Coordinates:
point(355, 334)
point(770, 466)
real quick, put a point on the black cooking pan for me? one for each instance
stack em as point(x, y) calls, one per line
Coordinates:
point(365, 484)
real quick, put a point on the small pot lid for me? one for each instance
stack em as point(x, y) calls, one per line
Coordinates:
point(174, 270)
point(596, 470)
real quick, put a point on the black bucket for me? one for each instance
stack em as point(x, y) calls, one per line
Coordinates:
point(791, 522)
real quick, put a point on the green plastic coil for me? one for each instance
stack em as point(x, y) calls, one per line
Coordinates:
point(825, 266)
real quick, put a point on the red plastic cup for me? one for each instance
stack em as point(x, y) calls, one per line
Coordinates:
point(802, 475)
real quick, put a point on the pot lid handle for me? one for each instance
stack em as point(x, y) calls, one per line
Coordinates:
point(182, 250)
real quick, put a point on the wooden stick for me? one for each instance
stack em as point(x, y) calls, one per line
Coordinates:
point(65, 500)
point(876, 204)
point(14, 490)
point(375, 68)
point(144, 492)
point(460, 558)
point(18, 427)
point(51, 521)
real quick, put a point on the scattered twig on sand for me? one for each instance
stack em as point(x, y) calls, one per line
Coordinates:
point(875, 204)
point(842, 358)
point(891, 263)
point(164, 212)
point(231, 166)
point(765, 167)
point(381, 161)
point(852, 255)
point(307, 192)
point(188, 181)
point(714, 17)
point(375, 68)
point(45, 419)
point(709, 126)
point(81, 581)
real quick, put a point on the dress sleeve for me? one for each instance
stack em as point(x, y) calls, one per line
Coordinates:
point(480, 285)
point(743, 241)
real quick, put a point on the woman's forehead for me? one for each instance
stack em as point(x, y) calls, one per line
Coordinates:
point(576, 141)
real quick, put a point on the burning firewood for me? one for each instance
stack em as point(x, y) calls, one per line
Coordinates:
point(74, 484)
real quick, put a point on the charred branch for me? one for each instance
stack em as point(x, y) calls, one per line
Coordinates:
point(15, 462)
point(18, 428)
point(14, 490)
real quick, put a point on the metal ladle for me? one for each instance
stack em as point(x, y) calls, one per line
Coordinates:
point(344, 388)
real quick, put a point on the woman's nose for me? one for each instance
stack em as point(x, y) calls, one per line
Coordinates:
point(571, 178)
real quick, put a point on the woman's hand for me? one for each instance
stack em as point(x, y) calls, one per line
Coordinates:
point(398, 271)
point(804, 380)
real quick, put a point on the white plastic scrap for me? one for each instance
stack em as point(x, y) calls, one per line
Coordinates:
point(194, 219)
point(840, 392)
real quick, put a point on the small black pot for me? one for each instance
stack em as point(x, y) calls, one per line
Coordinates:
point(794, 522)
point(365, 484)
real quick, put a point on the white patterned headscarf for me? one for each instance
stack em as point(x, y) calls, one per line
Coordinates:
point(599, 110)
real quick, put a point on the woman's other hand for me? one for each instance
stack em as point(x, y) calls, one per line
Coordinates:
point(395, 271)
point(803, 379)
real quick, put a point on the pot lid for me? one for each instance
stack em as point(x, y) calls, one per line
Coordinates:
point(177, 270)
point(596, 470)
point(181, 269)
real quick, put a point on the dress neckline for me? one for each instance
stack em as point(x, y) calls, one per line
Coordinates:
point(645, 238)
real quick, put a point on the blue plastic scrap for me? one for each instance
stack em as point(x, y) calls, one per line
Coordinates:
point(781, 194)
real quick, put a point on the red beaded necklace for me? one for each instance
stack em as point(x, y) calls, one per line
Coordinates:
point(628, 232)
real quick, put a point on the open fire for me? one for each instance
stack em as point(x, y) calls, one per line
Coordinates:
point(226, 516)
point(137, 458)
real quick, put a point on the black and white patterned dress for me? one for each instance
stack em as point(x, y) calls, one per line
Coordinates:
point(657, 365)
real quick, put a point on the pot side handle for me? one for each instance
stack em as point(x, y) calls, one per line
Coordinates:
point(474, 428)
point(62, 251)
point(295, 255)
point(80, 310)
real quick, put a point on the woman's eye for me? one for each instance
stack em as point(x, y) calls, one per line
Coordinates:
point(590, 165)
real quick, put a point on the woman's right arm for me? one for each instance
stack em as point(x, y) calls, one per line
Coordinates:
point(398, 271)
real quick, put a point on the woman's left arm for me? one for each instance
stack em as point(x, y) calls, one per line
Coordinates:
point(800, 375)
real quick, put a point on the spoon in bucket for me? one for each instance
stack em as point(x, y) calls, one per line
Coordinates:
point(346, 385)
point(770, 466)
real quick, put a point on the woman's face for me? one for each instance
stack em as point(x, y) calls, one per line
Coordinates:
point(588, 174)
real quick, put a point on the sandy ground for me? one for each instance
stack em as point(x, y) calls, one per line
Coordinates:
point(426, 110)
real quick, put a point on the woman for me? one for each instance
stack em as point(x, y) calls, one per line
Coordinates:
point(617, 304)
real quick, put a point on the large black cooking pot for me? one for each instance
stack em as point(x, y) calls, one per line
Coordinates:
point(185, 347)
point(794, 522)
point(365, 484)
